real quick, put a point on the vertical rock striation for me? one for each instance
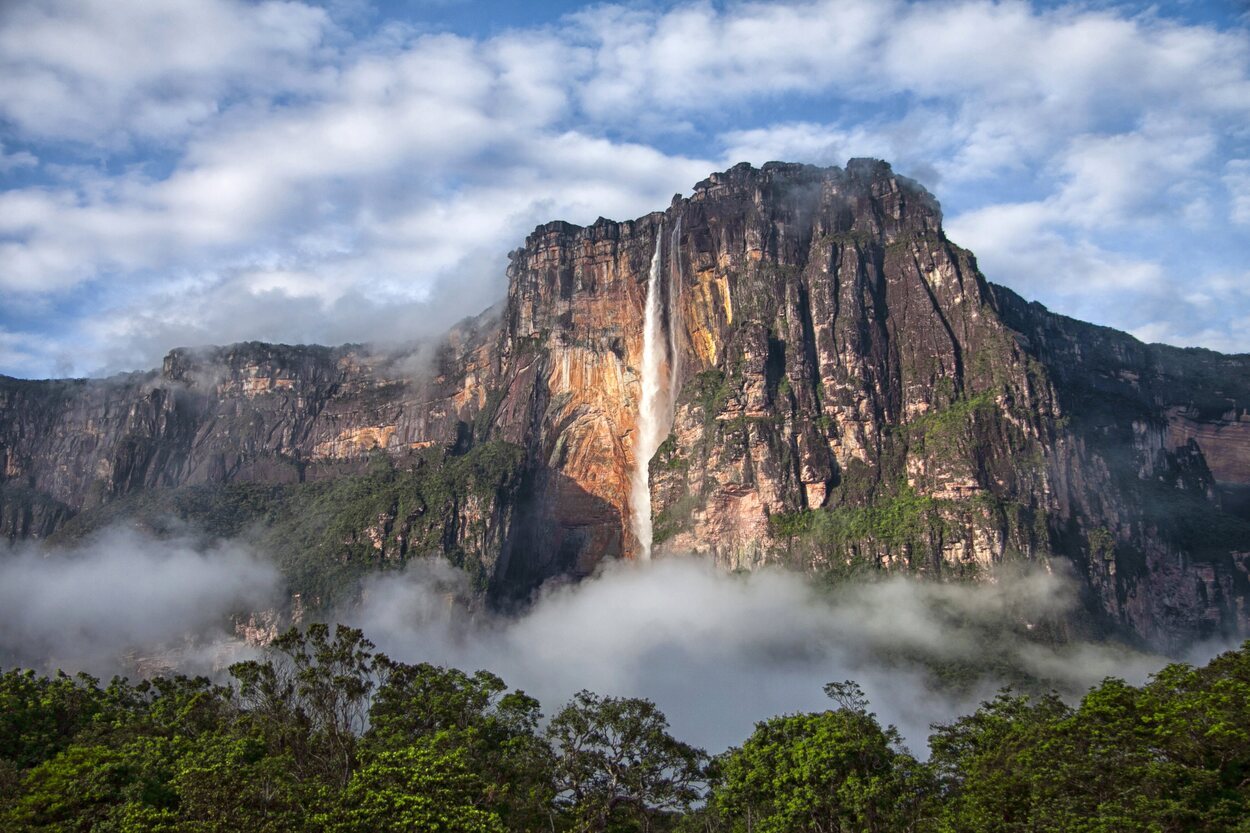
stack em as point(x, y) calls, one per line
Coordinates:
point(845, 392)
point(850, 393)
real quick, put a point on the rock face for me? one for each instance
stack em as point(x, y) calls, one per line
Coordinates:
point(845, 391)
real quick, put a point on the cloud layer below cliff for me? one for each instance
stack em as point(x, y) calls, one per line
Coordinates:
point(124, 601)
point(719, 651)
point(716, 651)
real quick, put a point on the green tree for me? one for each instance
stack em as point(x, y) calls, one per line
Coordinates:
point(423, 699)
point(1094, 770)
point(983, 785)
point(1199, 722)
point(420, 787)
point(184, 706)
point(40, 716)
point(312, 698)
point(1171, 756)
point(496, 729)
point(94, 788)
point(827, 772)
point(230, 782)
point(617, 762)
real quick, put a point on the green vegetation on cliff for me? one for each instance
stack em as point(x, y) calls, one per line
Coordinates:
point(326, 534)
point(846, 538)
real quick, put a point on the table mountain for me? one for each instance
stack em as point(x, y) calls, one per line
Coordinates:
point(825, 381)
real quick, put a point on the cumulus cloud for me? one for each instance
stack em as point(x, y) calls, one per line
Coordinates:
point(125, 597)
point(1171, 331)
point(110, 72)
point(273, 157)
point(1020, 240)
point(1237, 181)
point(1144, 176)
point(15, 160)
point(1190, 298)
point(31, 354)
point(913, 143)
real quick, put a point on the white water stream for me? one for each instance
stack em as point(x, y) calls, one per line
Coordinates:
point(654, 416)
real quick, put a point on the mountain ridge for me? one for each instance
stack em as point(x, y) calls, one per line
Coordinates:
point(850, 393)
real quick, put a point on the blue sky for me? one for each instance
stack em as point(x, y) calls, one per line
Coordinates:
point(212, 171)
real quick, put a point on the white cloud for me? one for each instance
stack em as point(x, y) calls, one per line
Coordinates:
point(306, 163)
point(20, 159)
point(1018, 244)
point(718, 652)
point(695, 57)
point(1017, 79)
point(1215, 313)
point(1237, 181)
point(31, 355)
point(1224, 339)
point(82, 609)
point(1155, 173)
point(715, 651)
point(914, 144)
point(109, 71)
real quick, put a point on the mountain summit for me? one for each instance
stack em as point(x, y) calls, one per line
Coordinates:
point(814, 374)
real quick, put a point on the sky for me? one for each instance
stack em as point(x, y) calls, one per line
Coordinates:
point(209, 171)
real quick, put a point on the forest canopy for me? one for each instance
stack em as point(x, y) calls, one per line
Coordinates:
point(325, 733)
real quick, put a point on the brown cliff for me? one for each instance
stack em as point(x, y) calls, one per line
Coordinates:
point(848, 393)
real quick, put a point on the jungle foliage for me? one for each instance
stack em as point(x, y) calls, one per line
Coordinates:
point(326, 734)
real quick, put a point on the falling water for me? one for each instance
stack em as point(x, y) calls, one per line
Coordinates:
point(652, 407)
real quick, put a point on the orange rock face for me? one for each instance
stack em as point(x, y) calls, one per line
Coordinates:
point(848, 391)
point(1224, 441)
point(837, 355)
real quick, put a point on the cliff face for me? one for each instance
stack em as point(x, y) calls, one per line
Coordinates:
point(1151, 472)
point(844, 390)
point(250, 412)
point(811, 313)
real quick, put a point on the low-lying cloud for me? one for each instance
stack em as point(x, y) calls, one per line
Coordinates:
point(717, 651)
point(720, 651)
point(126, 601)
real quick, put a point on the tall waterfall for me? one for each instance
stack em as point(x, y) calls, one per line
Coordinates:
point(653, 407)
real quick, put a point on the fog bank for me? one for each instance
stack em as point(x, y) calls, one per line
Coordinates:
point(125, 601)
point(720, 651)
point(717, 651)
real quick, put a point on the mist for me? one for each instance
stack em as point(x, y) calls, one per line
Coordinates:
point(716, 651)
point(126, 601)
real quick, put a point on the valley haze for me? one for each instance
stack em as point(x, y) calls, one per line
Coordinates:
point(715, 651)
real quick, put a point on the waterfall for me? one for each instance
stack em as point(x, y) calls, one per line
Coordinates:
point(653, 409)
